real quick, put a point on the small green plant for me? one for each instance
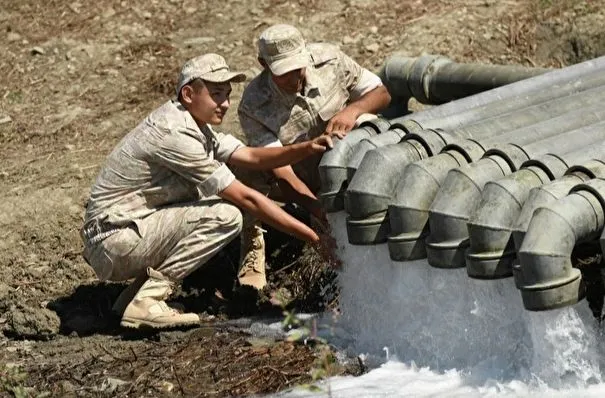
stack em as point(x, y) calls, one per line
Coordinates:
point(11, 381)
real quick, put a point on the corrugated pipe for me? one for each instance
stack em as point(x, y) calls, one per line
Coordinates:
point(436, 80)
point(453, 114)
point(461, 190)
point(333, 164)
point(546, 277)
point(492, 251)
point(415, 191)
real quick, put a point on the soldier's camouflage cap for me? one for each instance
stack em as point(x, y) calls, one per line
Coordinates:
point(283, 48)
point(208, 67)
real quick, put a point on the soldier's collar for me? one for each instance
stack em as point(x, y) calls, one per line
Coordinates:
point(311, 81)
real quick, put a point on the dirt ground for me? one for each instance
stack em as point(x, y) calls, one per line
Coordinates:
point(75, 76)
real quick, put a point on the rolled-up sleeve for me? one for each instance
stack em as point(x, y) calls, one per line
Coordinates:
point(187, 157)
point(367, 82)
point(358, 80)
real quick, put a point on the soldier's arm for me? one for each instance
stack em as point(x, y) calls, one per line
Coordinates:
point(269, 158)
point(267, 211)
point(367, 95)
point(295, 190)
point(292, 187)
point(371, 102)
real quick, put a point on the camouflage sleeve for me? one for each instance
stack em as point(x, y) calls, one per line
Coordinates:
point(187, 157)
point(226, 145)
point(351, 70)
point(368, 82)
point(256, 133)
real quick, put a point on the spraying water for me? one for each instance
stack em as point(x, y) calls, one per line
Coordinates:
point(458, 336)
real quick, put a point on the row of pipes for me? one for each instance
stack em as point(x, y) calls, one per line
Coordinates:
point(504, 182)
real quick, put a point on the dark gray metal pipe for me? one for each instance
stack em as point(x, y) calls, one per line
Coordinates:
point(452, 80)
point(461, 190)
point(548, 193)
point(436, 80)
point(418, 186)
point(492, 251)
point(546, 277)
point(454, 114)
point(333, 165)
point(367, 222)
point(393, 135)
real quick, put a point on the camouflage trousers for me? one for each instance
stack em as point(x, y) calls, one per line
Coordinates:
point(175, 240)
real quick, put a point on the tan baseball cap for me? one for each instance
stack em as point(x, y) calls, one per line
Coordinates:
point(283, 48)
point(209, 67)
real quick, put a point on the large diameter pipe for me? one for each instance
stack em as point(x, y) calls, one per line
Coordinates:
point(492, 251)
point(436, 80)
point(393, 135)
point(418, 187)
point(546, 277)
point(548, 193)
point(516, 95)
point(367, 222)
point(452, 81)
point(333, 165)
point(546, 80)
point(461, 192)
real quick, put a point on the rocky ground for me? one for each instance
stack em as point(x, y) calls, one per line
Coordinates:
point(75, 76)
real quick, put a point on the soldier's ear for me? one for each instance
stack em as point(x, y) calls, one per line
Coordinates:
point(262, 62)
point(186, 93)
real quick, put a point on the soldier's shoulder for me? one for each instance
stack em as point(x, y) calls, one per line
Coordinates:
point(256, 93)
point(323, 52)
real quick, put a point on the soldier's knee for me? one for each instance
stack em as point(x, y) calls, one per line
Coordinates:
point(230, 216)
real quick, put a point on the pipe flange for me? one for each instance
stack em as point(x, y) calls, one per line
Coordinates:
point(407, 246)
point(518, 275)
point(447, 254)
point(332, 201)
point(416, 78)
point(368, 231)
point(376, 125)
point(471, 150)
point(431, 140)
point(490, 265)
point(562, 293)
point(405, 127)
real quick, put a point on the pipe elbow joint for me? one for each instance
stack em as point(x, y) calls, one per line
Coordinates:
point(545, 276)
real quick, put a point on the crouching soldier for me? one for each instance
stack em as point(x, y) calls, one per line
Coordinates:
point(165, 201)
point(304, 91)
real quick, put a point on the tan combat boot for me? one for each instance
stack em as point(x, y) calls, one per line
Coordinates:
point(148, 308)
point(252, 257)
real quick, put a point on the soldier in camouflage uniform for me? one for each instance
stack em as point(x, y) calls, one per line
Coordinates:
point(165, 202)
point(303, 92)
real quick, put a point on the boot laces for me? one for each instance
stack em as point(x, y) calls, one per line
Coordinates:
point(253, 246)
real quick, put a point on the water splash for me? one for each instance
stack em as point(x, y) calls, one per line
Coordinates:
point(441, 319)
point(565, 347)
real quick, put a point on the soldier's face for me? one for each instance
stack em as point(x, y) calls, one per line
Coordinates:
point(291, 82)
point(210, 104)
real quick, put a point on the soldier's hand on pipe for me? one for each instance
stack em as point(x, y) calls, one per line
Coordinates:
point(321, 144)
point(342, 122)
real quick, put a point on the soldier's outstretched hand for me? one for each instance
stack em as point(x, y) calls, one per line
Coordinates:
point(321, 144)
